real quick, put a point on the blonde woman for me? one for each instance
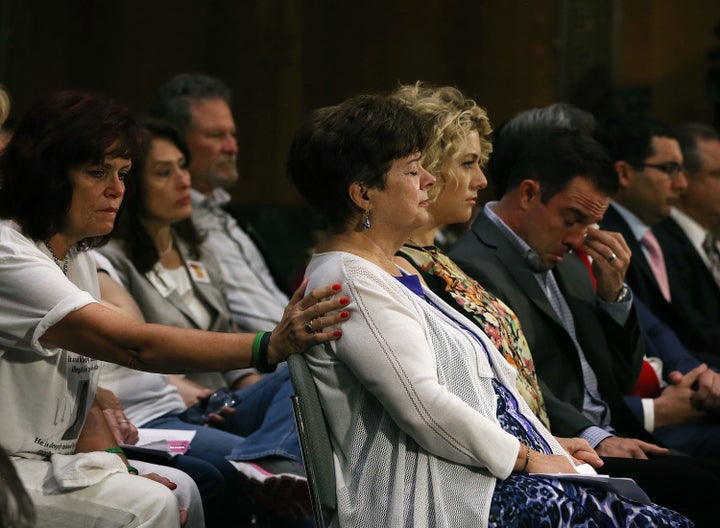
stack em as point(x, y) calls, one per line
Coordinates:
point(456, 154)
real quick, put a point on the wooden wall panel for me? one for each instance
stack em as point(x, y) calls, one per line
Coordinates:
point(284, 57)
point(663, 45)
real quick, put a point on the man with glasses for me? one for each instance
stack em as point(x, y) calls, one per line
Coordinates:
point(650, 167)
point(687, 235)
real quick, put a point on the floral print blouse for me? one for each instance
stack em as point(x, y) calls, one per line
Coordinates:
point(499, 322)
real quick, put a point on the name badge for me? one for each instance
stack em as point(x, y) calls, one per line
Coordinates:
point(198, 272)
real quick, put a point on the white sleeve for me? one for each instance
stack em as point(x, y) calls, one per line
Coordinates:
point(35, 294)
point(648, 406)
point(105, 264)
point(384, 344)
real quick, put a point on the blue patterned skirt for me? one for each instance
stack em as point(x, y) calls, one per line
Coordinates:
point(524, 500)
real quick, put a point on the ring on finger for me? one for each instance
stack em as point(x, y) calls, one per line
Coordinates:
point(308, 326)
point(612, 257)
point(123, 421)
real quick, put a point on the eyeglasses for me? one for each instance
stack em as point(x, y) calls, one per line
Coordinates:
point(672, 169)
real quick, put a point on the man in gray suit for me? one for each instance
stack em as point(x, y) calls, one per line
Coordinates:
point(586, 345)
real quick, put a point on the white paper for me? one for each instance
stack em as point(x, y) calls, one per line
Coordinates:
point(625, 487)
point(169, 442)
point(585, 469)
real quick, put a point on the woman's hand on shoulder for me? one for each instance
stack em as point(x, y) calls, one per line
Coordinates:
point(304, 321)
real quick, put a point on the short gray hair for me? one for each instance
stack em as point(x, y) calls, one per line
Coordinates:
point(172, 101)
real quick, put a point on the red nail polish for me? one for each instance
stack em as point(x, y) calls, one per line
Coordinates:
point(344, 315)
point(337, 333)
point(344, 300)
point(336, 287)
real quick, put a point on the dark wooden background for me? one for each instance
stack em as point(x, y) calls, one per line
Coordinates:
point(285, 57)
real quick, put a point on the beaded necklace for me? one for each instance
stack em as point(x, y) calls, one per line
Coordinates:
point(63, 264)
point(168, 249)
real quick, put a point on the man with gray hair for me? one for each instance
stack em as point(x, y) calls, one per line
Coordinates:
point(199, 106)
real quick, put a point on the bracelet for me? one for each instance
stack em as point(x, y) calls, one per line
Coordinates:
point(256, 349)
point(260, 353)
point(623, 295)
point(527, 456)
point(119, 451)
point(263, 356)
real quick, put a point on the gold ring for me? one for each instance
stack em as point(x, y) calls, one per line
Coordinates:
point(308, 326)
point(612, 257)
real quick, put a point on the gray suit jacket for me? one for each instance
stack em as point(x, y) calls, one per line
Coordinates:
point(614, 352)
point(163, 305)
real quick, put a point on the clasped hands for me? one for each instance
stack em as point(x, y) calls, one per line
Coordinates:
point(702, 386)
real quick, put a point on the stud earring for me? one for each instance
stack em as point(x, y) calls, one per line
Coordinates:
point(366, 219)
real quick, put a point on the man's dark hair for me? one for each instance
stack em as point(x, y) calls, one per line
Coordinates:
point(630, 138)
point(537, 121)
point(552, 156)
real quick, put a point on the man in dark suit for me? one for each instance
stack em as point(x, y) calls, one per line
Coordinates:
point(649, 165)
point(521, 243)
point(691, 252)
point(684, 414)
point(586, 345)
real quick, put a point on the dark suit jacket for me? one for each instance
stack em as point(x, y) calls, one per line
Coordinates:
point(660, 342)
point(696, 333)
point(692, 285)
point(614, 352)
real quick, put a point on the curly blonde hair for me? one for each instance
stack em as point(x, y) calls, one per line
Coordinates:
point(451, 117)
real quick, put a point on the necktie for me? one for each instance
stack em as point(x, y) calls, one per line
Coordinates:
point(648, 383)
point(711, 250)
point(657, 262)
point(593, 405)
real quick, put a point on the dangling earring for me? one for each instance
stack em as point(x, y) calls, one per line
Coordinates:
point(366, 219)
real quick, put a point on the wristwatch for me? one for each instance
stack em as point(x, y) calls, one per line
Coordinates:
point(623, 295)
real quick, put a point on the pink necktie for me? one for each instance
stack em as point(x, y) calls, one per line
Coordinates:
point(657, 262)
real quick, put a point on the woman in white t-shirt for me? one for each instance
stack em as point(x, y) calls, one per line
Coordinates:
point(63, 179)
